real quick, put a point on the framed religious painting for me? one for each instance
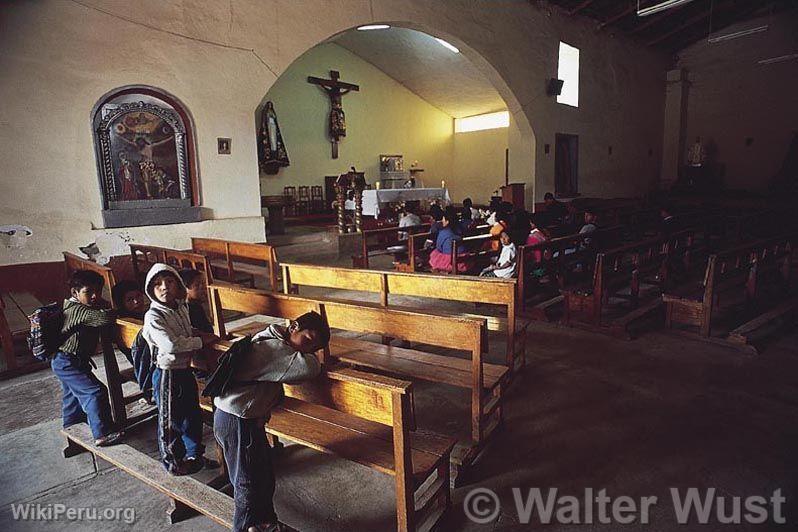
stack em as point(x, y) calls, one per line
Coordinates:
point(143, 144)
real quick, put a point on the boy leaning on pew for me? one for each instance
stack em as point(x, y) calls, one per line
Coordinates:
point(173, 342)
point(277, 355)
point(85, 398)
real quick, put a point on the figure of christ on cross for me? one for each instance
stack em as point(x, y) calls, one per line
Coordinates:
point(335, 89)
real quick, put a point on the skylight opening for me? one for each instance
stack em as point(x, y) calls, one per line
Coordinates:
point(482, 122)
point(451, 47)
point(568, 71)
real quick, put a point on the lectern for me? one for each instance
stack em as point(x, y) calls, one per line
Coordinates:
point(514, 193)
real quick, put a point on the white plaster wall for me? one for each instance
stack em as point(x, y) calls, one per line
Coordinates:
point(58, 57)
point(383, 117)
point(732, 97)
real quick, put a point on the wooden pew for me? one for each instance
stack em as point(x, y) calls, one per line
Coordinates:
point(616, 269)
point(369, 419)
point(144, 257)
point(73, 263)
point(743, 267)
point(452, 288)
point(417, 254)
point(125, 409)
point(377, 241)
point(15, 307)
point(478, 251)
point(240, 262)
point(358, 416)
point(467, 335)
point(187, 494)
point(557, 258)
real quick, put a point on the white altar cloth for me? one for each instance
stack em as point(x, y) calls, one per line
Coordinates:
point(372, 198)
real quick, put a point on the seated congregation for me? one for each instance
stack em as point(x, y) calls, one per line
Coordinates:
point(219, 335)
point(344, 274)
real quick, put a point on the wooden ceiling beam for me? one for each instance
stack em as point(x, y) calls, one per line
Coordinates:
point(689, 22)
point(580, 7)
point(618, 16)
point(656, 18)
point(736, 16)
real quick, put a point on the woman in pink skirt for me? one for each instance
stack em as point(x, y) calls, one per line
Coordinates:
point(440, 259)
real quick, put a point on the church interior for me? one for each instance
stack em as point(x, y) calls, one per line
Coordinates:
point(398, 265)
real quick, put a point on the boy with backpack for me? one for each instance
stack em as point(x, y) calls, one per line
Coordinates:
point(85, 398)
point(173, 342)
point(246, 387)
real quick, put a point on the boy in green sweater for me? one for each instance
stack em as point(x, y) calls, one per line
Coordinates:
point(85, 398)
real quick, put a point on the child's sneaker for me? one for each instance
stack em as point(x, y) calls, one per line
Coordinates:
point(177, 470)
point(194, 464)
point(109, 439)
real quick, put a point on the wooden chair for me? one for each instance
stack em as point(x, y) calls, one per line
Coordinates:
point(303, 200)
point(291, 201)
point(316, 199)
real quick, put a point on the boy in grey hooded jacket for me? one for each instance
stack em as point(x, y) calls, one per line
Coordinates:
point(172, 341)
point(278, 354)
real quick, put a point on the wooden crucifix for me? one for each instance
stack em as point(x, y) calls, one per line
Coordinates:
point(335, 89)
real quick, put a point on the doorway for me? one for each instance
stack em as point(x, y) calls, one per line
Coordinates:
point(566, 165)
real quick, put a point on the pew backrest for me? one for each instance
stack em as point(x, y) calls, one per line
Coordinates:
point(143, 257)
point(451, 288)
point(73, 263)
point(246, 252)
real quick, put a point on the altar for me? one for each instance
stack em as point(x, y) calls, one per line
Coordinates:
point(374, 198)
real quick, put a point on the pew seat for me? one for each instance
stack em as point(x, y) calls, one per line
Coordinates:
point(186, 493)
point(413, 363)
point(355, 439)
point(219, 269)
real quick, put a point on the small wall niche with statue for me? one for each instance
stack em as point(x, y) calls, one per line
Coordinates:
point(144, 145)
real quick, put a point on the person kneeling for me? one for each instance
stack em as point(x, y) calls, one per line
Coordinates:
point(278, 354)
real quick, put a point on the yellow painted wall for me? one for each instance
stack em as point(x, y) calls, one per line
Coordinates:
point(478, 164)
point(382, 118)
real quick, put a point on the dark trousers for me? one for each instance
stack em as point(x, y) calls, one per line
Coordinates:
point(143, 370)
point(85, 398)
point(249, 465)
point(179, 416)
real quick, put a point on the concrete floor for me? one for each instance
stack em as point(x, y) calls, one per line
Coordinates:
point(632, 417)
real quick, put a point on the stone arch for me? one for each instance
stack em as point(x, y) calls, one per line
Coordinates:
point(522, 149)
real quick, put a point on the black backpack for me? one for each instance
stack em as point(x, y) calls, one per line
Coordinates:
point(45, 331)
point(222, 378)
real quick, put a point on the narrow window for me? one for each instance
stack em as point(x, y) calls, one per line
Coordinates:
point(568, 71)
point(480, 122)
